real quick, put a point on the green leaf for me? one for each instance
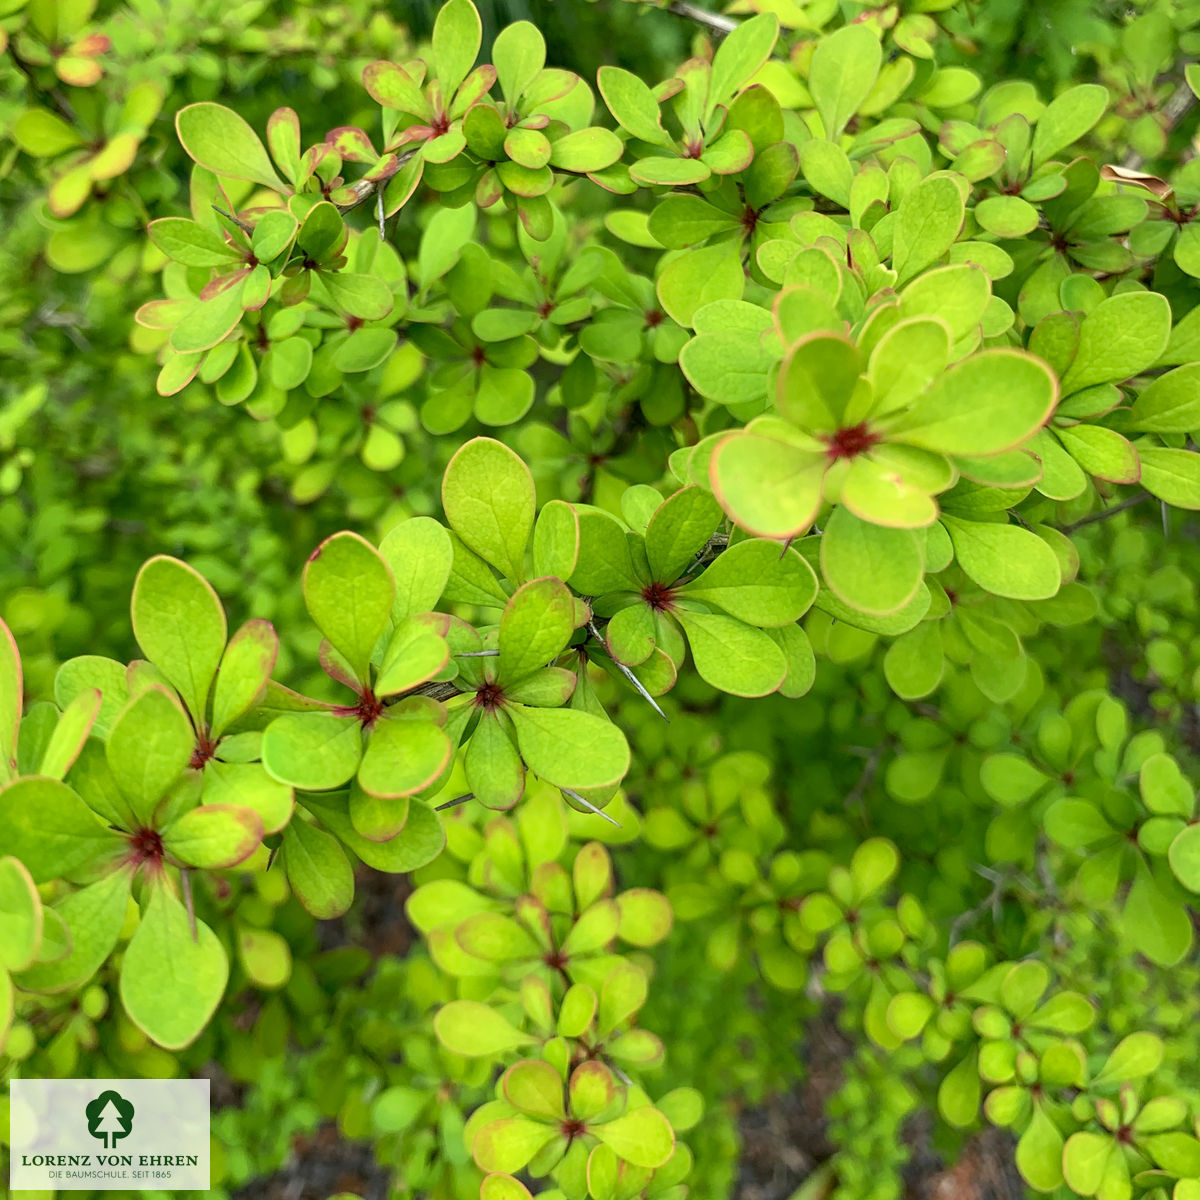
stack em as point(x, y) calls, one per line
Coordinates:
point(11, 701)
point(1005, 560)
point(171, 984)
point(1084, 1158)
point(642, 1136)
point(245, 668)
point(770, 488)
point(569, 747)
point(695, 278)
point(1171, 475)
point(870, 567)
point(93, 915)
point(732, 656)
point(927, 223)
point(415, 653)
point(420, 555)
point(419, 842)
point(1171, 403)
point(519, 54)
point(20, 916)
point(148, 748)
point(1040, 1152)
point(403, 756)
point(1120, 337)
point(1135, 1057)
point(752, 581)
point(678, 531)
point(221, 141)
point(989, 403)
point(535, 626)
point(739, 56)
point(476, 1031)
point(214, 836)
point(1067, 118)
point(488, 496)
point(315, 750)
point(348, 590)
point(556, 540)
point(633, 105)
point(70, 733)
point(534, 1087)
point(1154, 921)
point(844, 69)
point(509, 1143)
point(317, 870)
point(193, 245)
point(180, 625)
point(457, 34)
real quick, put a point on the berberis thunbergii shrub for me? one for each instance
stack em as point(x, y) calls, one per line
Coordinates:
point(752, 584)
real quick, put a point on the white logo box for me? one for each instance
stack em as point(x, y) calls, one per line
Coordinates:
point(109, 1134)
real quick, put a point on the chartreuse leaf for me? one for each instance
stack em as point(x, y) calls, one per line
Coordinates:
point(93, 916)
point(20, 916)
point(1040, 1151)
point(214, 836)
point(403, 756)
point(768, 487)
point(509, 1143)
point(349, 589)
point(488, 495)
point(457, 33)
point(419, 842)
point(740, 55)
point(415, 653)
point(633, 105)
point(870, 567)
point(518, 53)
point(678, 531)
point(927, 224)
point(984, 405)
point(171, 984)
point(50, 829)
point(752, 581)
point(535, 626)
point(420, 554)
point(317, 869)
point(845, 66)
point(180, 625)
point(149, 746)
point(1067, 118)
point(1119, 337)
point(569, 747)
point(245, 668)
point(641, 1136)
point(315, 751)
point(71, 731)
point(218, 139)
point(11, 701)
point(733, 656)
point(474, 1030)
point(1005, 560)
point(1155, 921)
point(556, 539)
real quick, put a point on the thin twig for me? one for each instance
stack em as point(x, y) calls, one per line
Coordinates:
point(1104, 514)
point(1000, 881)
point(716, 23)
point(566, 791)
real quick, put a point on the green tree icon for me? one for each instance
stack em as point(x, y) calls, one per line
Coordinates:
point(109, 1117)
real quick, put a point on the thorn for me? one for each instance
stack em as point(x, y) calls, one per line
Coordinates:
point(456, 801)
point(271, 856)
point(1166, 520)
point(589, 805)
point(379, 211)
point(186, 880)
point(478, 654)
point(788, 545)
point(633, 679)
